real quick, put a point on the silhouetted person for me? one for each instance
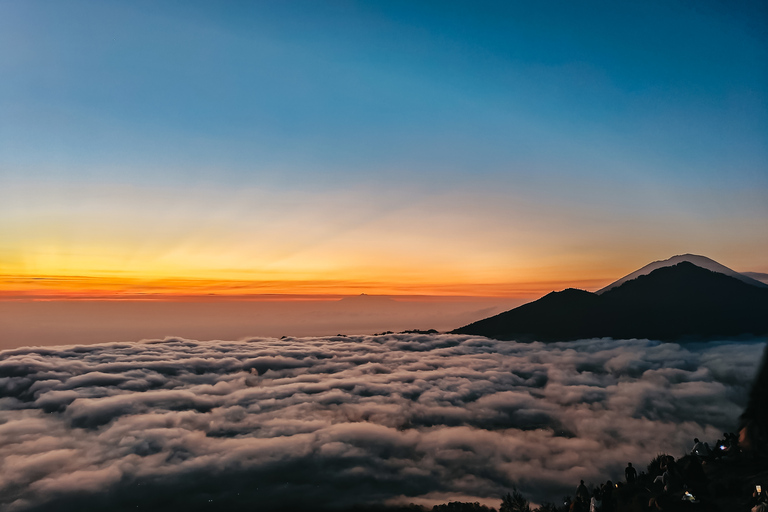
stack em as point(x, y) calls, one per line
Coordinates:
point(699, 449)
point(753, 424)
point(630, 473)
point(607, 492)
point(695, 477)
point(596, 503)
point(759, 501)
point(582, 493)
point(670, 479)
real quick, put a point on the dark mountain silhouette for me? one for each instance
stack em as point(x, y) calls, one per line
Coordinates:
point(757, 276)
point(676, 302)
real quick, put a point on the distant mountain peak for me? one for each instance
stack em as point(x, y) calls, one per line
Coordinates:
point(367, 299)
point(675, 299)
point(699, 261)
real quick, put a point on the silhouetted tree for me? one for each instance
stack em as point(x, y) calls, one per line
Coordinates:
point(460, 506)
point(654, 467)
point(514, 502)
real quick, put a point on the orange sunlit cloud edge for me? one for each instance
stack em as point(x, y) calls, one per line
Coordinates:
point(177, 289)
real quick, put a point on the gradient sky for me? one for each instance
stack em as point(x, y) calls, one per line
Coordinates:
point(468, 148)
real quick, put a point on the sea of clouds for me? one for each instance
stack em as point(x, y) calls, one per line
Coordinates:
point(330, 422)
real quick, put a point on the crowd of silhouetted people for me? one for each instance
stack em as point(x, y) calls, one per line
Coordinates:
point(717, 477)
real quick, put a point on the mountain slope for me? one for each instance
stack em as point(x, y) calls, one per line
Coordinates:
point(699, 261)
point(567, 313)
point(672, 302)
point(758, 276)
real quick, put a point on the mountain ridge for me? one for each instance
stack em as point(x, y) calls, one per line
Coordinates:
point(699, 261)
point(682, 301)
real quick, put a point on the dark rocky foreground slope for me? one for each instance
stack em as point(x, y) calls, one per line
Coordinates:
point(678, 302)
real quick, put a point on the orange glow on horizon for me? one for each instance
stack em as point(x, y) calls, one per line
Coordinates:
point(180, 289)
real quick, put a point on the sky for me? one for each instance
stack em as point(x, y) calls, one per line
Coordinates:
point(495, 149)
point(458, 158)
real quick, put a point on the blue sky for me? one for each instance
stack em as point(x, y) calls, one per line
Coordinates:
point(585, 110)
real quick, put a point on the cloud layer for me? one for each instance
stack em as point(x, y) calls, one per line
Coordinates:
point(330, 422)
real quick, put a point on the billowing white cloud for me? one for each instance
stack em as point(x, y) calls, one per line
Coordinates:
point(330, 422)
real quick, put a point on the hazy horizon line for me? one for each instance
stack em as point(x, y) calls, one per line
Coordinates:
point(16, 287)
